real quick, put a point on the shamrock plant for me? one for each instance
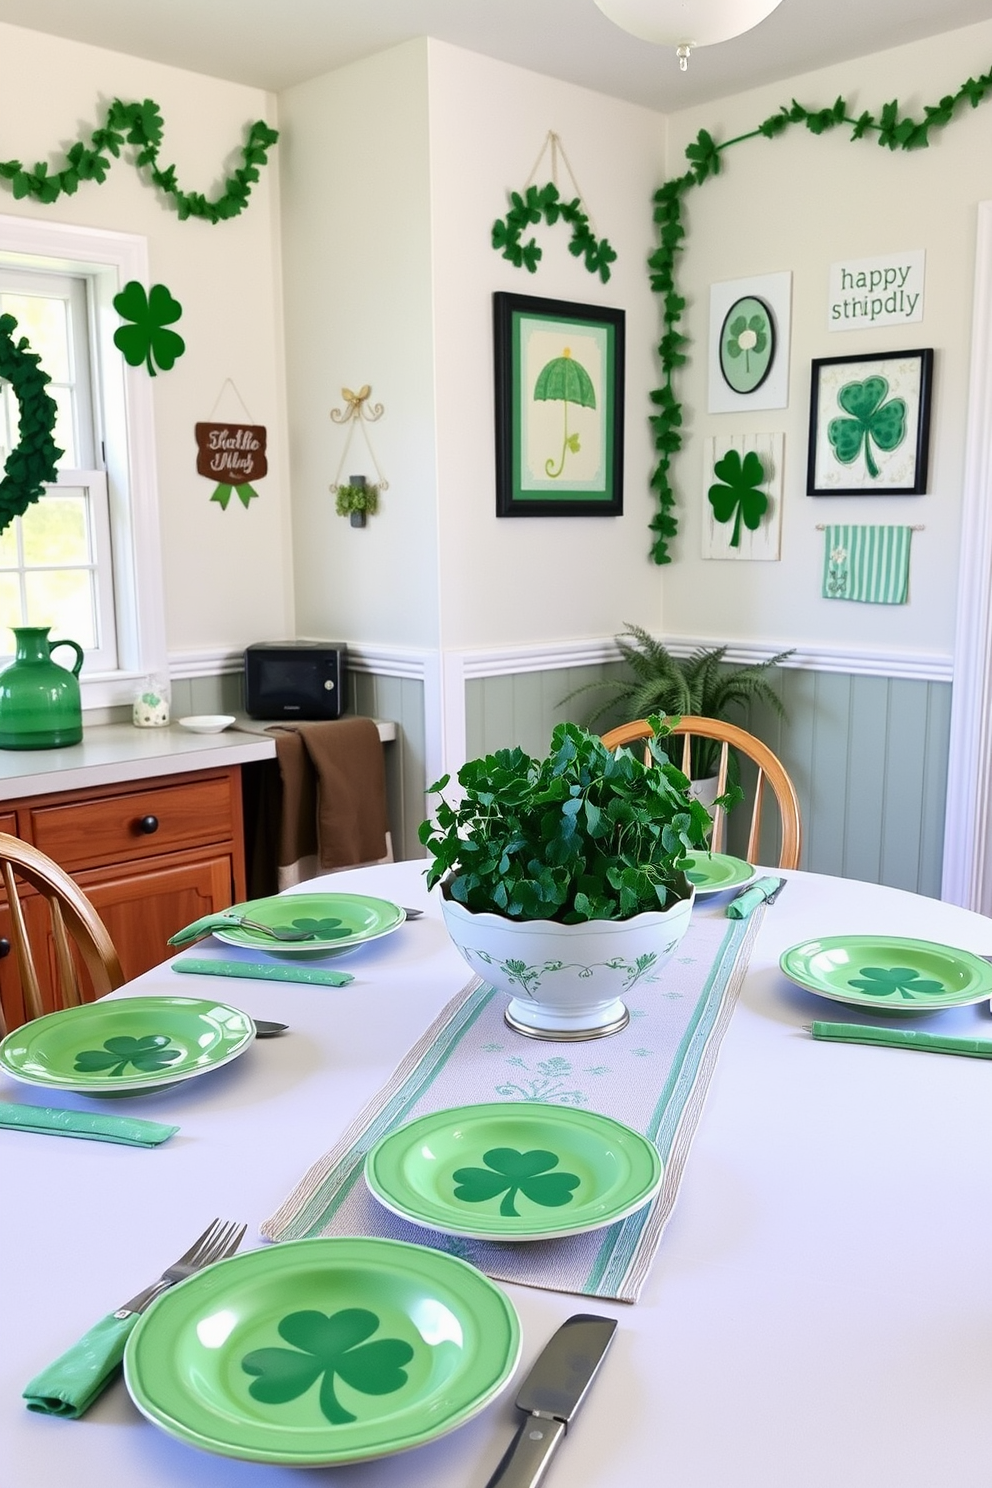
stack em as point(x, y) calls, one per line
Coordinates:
point(871, 419)
point(149, 1054)
point(739, 492)
point(587, 833)
point(148, 340)
point(509, 1172)
point(882, 981)
point(324, 1347)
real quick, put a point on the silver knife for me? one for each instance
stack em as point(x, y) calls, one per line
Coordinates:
point(550, 1397)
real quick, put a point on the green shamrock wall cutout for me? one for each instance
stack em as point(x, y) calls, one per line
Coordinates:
point(738, 495)
point(509, 1172)
point(328, 1345)
point(872, 419)
point(147, 340)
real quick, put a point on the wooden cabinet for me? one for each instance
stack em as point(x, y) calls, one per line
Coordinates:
point(151, 856)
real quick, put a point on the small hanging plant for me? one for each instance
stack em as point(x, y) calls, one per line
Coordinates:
point(355, 498)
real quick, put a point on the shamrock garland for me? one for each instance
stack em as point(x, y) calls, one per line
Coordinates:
point(141, 124)
point(34, 458)
point(546, 202)
point(890, 129)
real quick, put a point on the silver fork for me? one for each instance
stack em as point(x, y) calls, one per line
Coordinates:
point(219, 1240)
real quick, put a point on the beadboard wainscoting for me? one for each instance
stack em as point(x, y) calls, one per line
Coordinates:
point(866, 736)
point(867, 747)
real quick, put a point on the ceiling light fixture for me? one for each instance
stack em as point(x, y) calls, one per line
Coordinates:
point(684, 24)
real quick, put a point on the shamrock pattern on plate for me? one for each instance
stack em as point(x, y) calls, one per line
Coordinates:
point(324, 1347)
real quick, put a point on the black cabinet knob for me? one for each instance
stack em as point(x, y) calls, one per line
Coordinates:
point(148, 825)
point(4, 947)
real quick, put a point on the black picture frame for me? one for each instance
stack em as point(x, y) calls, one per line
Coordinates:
point(867, 445)
point(556, 352)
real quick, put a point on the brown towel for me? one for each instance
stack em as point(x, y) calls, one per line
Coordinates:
point(333, 792)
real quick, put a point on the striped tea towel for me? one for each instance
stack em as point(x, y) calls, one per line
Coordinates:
point(870, 564)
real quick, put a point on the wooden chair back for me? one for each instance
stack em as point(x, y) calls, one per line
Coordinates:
point(48, 915)
point(769, 767)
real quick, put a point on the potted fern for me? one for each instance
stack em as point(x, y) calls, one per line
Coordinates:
point(701, 685)
point(563, 879)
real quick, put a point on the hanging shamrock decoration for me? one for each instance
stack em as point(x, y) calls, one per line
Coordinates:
point(871, 419)
point(234, 455)
point(34, 458)
point(147, 340)
point(566, 381)
point(738, 496)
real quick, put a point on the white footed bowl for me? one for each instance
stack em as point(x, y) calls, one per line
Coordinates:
point(567, 981)
point(207, 723)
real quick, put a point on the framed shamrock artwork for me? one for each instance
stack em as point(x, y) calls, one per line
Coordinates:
point(559, 408)
point(869, 424)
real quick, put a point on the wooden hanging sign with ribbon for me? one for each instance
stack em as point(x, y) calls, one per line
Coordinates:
point(234, 456)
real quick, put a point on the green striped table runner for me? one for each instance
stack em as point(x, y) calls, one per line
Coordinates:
point(653, 1076)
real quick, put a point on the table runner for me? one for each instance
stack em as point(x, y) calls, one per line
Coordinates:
point(653, 1076)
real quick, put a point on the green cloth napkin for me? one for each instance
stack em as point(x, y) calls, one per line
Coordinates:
point(221, 920)
point(70, 1385)
point(748, 901)
point(265, 971)
point(130, 1130)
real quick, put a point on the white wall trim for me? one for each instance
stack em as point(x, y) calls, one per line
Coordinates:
point(923, 666)
point(205, 663)
point(966, 875)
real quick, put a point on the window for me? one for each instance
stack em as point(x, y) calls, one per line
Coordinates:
point(83, 558)
point(56, 562)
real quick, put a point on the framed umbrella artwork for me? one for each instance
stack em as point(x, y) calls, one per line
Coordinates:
point(559, 408)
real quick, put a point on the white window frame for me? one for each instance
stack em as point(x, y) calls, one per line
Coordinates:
point(110, 260)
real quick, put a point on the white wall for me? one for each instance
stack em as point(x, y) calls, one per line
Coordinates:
point(527, 580)
point(802, 202)
point(228, 578)
point(356, 213)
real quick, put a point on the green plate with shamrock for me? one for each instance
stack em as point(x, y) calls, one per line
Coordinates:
point(711, 872)
point(317, 1352)
point(888, 973)
point(336, 922)
point(126, 1045)
point(513, 1172)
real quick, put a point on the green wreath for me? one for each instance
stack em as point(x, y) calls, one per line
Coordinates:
point(33, 460)
point(530, 207)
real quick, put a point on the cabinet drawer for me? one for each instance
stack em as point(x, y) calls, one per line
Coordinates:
point(85, 834)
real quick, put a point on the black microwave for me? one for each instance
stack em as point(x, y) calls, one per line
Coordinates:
point(296, 679)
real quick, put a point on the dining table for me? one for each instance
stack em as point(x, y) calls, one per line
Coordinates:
point(818, 1313)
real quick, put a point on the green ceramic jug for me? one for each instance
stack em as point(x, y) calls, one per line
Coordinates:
point(39, 700)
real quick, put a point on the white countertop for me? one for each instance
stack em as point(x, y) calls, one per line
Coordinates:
point(114, 752)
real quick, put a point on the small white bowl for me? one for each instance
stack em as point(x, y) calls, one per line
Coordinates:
point(207, 723)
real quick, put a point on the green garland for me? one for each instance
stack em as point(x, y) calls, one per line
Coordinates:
point(141, 124)
point(33, 460)
point(892, 130)
point(546, 202)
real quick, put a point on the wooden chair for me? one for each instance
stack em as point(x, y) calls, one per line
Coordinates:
point(48, 922)
point(769, 768)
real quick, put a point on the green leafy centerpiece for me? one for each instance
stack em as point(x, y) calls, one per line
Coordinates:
point(563, 879)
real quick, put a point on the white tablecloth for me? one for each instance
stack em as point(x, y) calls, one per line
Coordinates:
point(819, 1314)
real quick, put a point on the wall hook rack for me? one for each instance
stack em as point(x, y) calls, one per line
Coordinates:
point(358, 410)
